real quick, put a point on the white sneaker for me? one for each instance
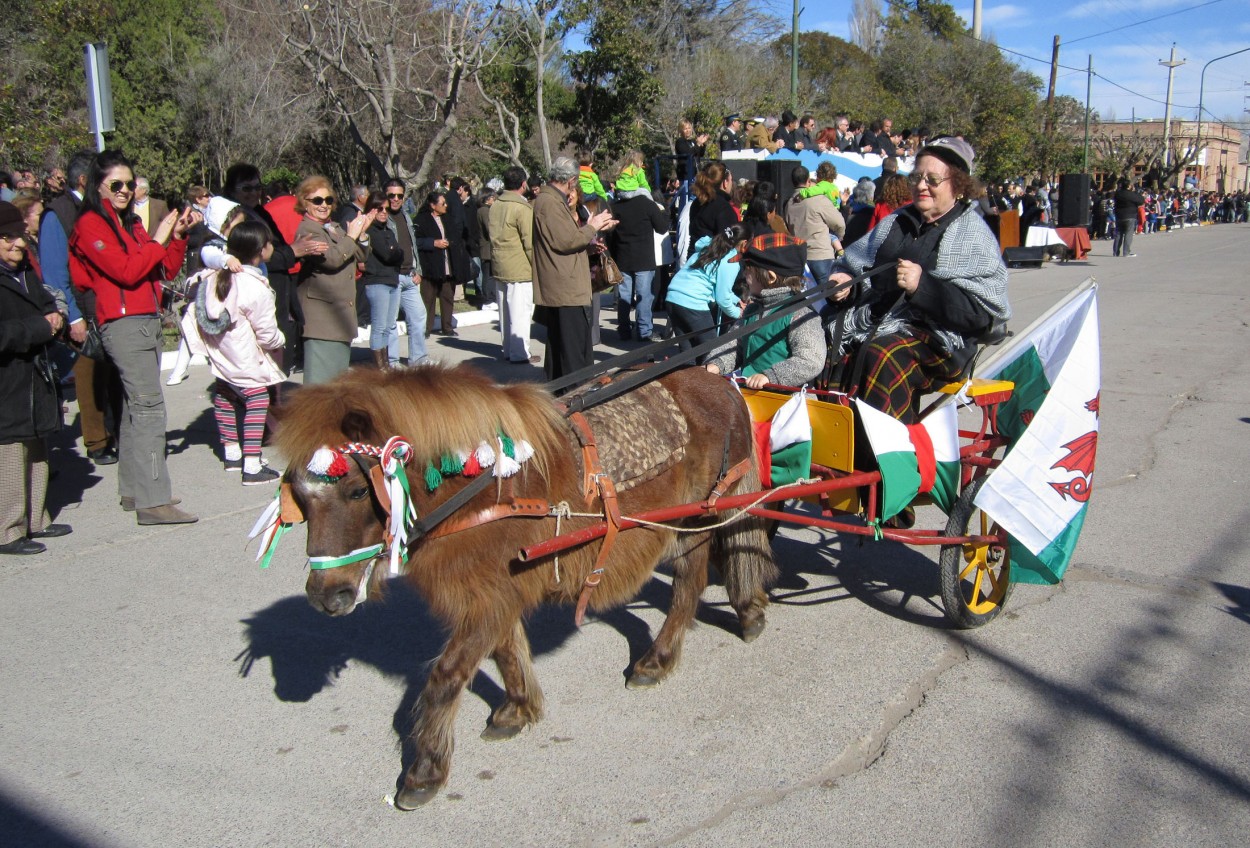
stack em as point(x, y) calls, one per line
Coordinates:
point(491, 307)
point(176, 377)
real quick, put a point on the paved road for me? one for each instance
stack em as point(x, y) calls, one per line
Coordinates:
point(158, 689)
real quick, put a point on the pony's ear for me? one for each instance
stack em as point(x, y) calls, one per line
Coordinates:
point(357, 426)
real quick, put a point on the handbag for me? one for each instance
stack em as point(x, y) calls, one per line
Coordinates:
point(605, 273)
point(92, 346)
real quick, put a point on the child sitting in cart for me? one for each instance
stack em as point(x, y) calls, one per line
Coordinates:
point(787, 351)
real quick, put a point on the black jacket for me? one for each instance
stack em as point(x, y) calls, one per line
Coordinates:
point(434, 261)
point(29, 407)
point(708, 219)
point(632, 242)
point(385, 257)
point(1127, 202)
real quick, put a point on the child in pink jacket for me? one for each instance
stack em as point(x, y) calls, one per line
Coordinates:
point(233, 323)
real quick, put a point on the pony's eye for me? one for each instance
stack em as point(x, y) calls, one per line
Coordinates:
point(359, 494)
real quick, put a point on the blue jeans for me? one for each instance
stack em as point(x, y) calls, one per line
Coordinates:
point(821, 269)
point(383, 312)
point(414, 315)
point(635, 290)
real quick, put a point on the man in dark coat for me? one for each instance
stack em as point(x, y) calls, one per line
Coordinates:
point(1127, 202)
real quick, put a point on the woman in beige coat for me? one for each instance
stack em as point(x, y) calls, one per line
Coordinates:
point(327, 283)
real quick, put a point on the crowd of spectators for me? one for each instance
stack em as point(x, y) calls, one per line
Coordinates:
point(275, 280)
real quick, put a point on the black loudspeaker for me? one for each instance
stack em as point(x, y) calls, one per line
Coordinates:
point(777, 172)
point(1074, 200)
point(742, 169)
point(1024, 257)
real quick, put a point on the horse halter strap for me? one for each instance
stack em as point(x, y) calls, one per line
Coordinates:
point(389, 483)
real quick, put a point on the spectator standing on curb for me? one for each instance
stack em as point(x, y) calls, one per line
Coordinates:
point(512, 263)
point(410, 301)
point(115, 258)
point(1127, 204)
point(96, 382)
point(562, 269)
point(29, 409)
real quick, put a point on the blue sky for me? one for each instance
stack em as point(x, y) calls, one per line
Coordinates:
point(1128, 57)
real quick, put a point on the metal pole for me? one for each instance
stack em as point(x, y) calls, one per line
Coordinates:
point(976, 20)
point(1202, 81)
point(1089, 84)
point(1171, 65)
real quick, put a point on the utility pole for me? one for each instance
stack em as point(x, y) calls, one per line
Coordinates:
point(976, 19)
point(1050, 91)
point(794, 60)
point(1089, 84)
point(1171, 65)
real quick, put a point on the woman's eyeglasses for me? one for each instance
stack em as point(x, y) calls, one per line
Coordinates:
point(930, 180)
point(321, 201)
point(117, 185)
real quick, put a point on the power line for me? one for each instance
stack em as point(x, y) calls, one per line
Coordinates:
point(1146, 21)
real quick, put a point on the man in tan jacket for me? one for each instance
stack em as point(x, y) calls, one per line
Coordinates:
point(562, 269)
point(512, 264)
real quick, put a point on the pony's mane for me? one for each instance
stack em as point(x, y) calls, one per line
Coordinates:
point(436, 408)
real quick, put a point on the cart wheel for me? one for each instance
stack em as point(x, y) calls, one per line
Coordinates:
point(976, 579)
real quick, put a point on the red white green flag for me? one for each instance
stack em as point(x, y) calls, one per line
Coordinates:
point(786, 439)
point(914, 458)
point(1040, 492)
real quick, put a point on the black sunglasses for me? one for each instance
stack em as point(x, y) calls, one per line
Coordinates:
point(250, 187)
point(321, 201)
point(117, 185)
point(393, 195)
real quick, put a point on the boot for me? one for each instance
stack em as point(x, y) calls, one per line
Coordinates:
point(381, 359)
point(167, 514)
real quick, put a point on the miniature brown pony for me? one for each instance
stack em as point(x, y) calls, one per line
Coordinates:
point(472, 579)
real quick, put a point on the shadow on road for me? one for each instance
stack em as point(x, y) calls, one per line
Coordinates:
point(21, 826)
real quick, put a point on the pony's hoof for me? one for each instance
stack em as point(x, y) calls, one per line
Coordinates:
point(408, 798)
point(500, 732)
point(641, 680)
point(752, 631)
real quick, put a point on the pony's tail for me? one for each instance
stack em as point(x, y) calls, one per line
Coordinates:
point(742, 553)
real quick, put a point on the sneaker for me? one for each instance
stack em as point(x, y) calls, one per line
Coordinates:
point(260, 478)
point(237, 464)
point(1130, 254)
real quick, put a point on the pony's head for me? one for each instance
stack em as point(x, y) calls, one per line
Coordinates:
point(343, 465)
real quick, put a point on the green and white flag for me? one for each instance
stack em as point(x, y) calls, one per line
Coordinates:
point(914, 458)
point(1040, 492)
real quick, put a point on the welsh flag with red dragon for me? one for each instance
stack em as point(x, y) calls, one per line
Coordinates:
point(1040, 492)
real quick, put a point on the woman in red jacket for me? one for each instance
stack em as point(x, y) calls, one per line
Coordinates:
point(121, 267)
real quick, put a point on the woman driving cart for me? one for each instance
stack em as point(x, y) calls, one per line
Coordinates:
point(916, 324)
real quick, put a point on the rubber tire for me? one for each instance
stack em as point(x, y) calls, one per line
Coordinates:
point(951, 564)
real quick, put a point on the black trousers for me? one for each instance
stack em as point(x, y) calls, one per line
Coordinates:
point(568, 340)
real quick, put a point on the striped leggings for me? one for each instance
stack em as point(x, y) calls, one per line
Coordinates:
point(228, 402)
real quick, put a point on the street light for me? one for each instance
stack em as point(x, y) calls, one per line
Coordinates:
point(1202, 81)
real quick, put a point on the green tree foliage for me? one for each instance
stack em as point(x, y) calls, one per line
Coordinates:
point(613, 81)
point(148, 41)
point(963, 86)
point(934, 17)
point(836, 77)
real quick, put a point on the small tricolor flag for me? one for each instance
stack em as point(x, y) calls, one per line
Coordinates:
point(786, 440)
point(914, 458)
